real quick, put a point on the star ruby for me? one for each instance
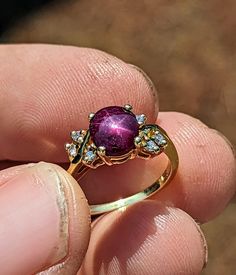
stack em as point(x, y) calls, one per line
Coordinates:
point(114, 128)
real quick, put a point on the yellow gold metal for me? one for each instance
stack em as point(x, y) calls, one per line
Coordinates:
point(102, 154)
point(78, 167)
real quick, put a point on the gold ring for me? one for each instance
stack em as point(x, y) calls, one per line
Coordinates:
point(116, 135)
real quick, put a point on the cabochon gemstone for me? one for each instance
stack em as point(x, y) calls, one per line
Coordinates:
point(114, 128)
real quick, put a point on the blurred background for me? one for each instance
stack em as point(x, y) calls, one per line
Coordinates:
point(187, 47)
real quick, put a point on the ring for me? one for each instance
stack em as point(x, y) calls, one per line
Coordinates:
point(116, 135)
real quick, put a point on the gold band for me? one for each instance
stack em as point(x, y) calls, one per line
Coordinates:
point(79, 169)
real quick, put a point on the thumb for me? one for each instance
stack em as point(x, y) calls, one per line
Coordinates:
point(45, 224)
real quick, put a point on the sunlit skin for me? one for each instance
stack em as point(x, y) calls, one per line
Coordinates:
point(47, 91)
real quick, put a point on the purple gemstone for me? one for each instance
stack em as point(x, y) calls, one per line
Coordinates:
point(114, 128)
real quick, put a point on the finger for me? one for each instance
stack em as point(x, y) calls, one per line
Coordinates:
point(146, 238)
point(44, 221)
point(55, 90)
point(7, 164)
point(205, 181)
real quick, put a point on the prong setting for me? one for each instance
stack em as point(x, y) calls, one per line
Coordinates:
point(137, 140)
point(90, 116)
point(128, 107)
point(80, 140)
point(67, 146)
point(101, 150)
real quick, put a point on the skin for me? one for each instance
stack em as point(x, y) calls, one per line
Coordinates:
point(47, 91)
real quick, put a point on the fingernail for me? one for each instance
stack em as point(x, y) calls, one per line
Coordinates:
point(34, 220)
point(150, 84)
point(204, 244)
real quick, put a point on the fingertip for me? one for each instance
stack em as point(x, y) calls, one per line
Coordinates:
point(146, 238)
point(47, 210)
point(205, 181)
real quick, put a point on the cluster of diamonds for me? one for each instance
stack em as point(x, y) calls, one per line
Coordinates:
point(150, 140)
point(90, 152)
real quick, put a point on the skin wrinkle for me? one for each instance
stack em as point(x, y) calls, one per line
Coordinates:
point(151, 86)
point(227, 141)
point(62, 249)
point(78, 225)
point(62, 205)
point(111, 69)
point(161, 223)
point(204, 244)
point(60, 265)
point(12, 172)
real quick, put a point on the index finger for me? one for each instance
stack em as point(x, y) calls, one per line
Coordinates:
point(48, 91)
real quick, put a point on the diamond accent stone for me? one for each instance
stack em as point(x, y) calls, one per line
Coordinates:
point(90, 156)
point(151, 146)
point(147, 131)
point(77, 136)
point(151, 139)
point(160, 140)
point(72, 150)
point(141, 119)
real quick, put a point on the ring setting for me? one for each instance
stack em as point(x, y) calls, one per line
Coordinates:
point(116, 135)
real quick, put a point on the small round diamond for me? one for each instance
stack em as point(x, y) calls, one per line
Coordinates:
point(138, 139)
point(151, 146)
point(77, 136)
point(90, 156)
point(159, 139)
point(72, 150)
point(141, 119)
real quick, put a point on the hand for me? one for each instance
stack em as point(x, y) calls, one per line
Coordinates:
point(47, 91)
